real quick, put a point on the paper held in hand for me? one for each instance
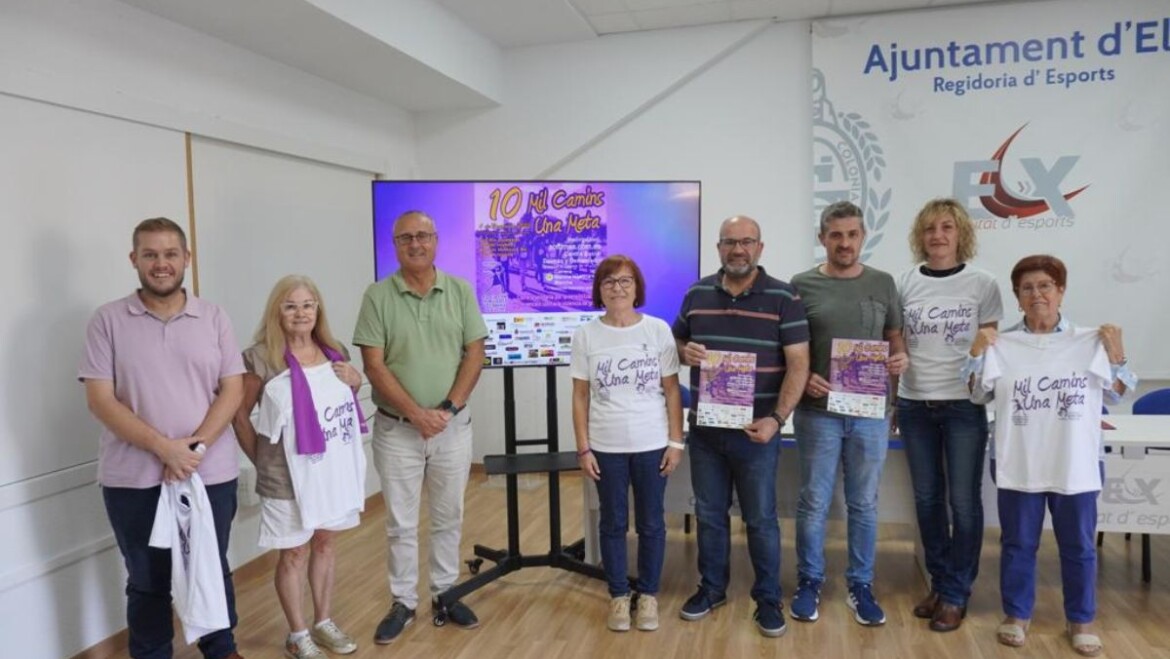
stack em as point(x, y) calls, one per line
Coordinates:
point(859, 378)
point(727, 387)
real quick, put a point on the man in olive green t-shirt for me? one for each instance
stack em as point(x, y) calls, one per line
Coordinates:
point(422, 341)
point(843, 299)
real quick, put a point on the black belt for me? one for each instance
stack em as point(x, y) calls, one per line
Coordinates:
point(400, 419)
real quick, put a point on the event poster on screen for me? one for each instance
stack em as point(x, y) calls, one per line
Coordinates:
point(859, 378)
point(544, 257)
point(529, 249)
point(727, 387)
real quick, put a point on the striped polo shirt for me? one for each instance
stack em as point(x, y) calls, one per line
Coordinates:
point(763, 319)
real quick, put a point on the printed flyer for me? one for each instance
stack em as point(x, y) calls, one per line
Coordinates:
point(727, 385)
point(859, 378)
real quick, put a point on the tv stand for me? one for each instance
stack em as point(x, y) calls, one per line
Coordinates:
point(512, 463)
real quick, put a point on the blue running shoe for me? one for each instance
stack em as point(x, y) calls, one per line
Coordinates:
point(865, 608)
point(804, 603)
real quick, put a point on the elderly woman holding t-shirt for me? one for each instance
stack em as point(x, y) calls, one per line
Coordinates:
point(1048, 380)
point(307, 447)
point(627, 417)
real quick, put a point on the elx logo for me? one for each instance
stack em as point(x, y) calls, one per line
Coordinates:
point(1042, 189)
point(1131, 491)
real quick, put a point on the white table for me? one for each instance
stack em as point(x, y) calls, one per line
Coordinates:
point(1136, 432)
point(1136, 494)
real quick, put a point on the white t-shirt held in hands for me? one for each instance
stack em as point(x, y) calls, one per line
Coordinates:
point(331, 485)
point(1048, 393)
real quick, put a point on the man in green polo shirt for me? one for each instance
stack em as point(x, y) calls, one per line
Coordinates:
point(421, 336)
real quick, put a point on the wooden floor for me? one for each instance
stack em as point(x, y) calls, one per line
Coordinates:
point(544, 613)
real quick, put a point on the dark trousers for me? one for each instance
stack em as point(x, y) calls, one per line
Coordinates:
point(946, 441)
point(1074, 520)
point(619, 471)
point(723, 461)
point(148, 581)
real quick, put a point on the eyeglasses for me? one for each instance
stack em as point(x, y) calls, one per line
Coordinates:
point(1043, 288)
point(423, 238)
point(290, 308)
point(614, 282)
point(730, 243)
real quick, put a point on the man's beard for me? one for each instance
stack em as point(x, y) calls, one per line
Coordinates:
point(739, 271)
point(154, 289)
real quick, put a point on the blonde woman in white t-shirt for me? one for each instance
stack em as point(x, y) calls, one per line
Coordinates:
point(294, 327)
point(945, 302)
point(627, 417)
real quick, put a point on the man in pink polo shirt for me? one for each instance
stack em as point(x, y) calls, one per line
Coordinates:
point(162, 372)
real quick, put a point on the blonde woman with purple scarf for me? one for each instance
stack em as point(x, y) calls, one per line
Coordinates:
point(307, 448)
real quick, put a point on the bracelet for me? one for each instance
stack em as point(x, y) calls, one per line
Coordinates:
point(581, 454)
point(678, 445)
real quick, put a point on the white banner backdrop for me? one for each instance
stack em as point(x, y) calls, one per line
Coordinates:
point(1049, 121)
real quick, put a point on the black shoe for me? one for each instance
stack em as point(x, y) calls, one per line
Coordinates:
point(462, 615)
point(700, 604)
point(392, 625)
point(769, 620)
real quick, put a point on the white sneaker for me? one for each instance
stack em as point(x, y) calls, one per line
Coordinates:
point(646, 617)
point(619, 614)
point(303, 649)
point(330, 636)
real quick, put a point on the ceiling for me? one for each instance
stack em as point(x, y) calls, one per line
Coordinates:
point(512, 23)
point(423, 55)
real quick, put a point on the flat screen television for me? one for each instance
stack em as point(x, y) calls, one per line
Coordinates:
point(530, 248)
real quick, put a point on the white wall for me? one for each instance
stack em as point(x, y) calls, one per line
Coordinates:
point(94, 99)
point(727, 104)
point(110, 58)
point(66, 177)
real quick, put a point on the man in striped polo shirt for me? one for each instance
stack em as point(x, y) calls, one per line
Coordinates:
point(740, 308)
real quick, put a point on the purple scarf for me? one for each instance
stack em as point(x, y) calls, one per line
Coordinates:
point(310, 438)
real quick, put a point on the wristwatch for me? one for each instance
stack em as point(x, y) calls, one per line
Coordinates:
point(780, 421)
point(448, 406)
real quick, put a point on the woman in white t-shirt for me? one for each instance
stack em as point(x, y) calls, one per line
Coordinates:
point(1048, 380)
point(945, 301)
point(627, 418)
point(294, 335)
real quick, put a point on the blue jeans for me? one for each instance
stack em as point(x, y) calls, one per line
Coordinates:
point(1074, 521)
point(945, 442)
point(824, 440)
point(619, 471)
point(148, 582)
point(720, 460)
